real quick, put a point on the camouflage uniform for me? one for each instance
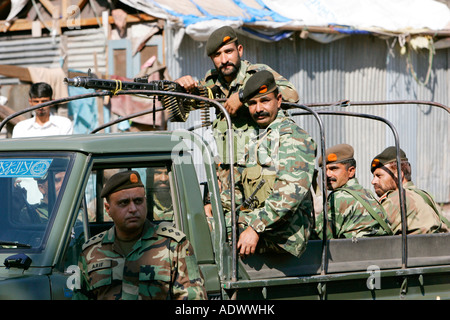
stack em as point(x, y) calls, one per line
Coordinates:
point(244, 128)
point(420, 216)
point(347, 216)
point(283, 154)
point(161, 204)
point(161, 265)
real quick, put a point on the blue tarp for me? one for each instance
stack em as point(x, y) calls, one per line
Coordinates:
point(251, 14)
point(201, 17)
point(83, 111)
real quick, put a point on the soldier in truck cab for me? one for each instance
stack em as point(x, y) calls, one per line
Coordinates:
point(422, 212)
point(37, 212)
point(136, 258)
point(42, 207)
point(276, 174)
point(158, 193)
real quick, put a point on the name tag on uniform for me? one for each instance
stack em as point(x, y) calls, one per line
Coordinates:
point(99, 265)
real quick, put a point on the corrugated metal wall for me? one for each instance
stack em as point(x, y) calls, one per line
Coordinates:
point(29, 52)
point(86, 49)
point(359, 68)
point(81, 49)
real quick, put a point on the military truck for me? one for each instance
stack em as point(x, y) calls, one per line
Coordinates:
point(61, 178)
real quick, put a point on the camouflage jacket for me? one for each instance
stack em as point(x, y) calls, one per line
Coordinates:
point(161, 265)
point(161, 204)
point(244, 128)
point(347, 216)
point(420, 217)
point(284, 156)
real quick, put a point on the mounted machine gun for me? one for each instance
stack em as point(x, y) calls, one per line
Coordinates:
point(178, 107)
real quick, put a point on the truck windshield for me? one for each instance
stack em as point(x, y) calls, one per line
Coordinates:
point(31, 185)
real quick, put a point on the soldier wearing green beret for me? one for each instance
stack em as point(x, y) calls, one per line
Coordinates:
point(226, 80)
point(137, 259)
point(422, 213)
point(278, 165)
point(352, 210)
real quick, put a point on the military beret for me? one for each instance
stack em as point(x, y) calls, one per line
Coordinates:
point(120, 181)
point(337, 154)
point(219, 38)
point(259, 84)
point(387, 156)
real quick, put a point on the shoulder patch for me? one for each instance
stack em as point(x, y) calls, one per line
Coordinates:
point(95, 239)
point(170, 232)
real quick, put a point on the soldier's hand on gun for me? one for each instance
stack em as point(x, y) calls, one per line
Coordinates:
point(187, 82)
point(247, 242)
point(233, 104)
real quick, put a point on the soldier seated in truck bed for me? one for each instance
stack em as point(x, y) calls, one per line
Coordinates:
point(275, 175)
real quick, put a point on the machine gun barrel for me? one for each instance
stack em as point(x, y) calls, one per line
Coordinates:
point(178, 108)
point(104, 84)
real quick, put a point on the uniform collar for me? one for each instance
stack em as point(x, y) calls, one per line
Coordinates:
point(237, 82)
point(409, 184)
point(406, 185)
point(351, 183)
point(147, 232)
point(278, 120)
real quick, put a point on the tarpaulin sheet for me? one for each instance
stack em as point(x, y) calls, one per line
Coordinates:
point(200, 17)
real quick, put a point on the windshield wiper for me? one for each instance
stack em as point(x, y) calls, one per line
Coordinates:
point(14, 244)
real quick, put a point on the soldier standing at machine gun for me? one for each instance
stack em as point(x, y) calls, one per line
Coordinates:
point(274, 177)
point(226, 80)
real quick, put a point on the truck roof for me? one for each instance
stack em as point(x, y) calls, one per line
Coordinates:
point(104, 143)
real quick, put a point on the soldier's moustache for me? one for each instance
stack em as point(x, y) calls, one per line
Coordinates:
point(261, 114)
point(228, 64)
point(161, 184)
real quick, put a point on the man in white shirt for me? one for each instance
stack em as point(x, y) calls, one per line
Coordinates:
point(44, 123)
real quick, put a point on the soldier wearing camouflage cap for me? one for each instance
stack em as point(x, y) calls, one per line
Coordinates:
point(278, 165)
point(226, 80)
point(137, 259)
point(353, 211)
point(423, 215)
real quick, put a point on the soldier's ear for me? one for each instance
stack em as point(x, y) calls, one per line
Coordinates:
point(240, 50)
point(107, 207)
point(279, 100)
point(351, 171)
